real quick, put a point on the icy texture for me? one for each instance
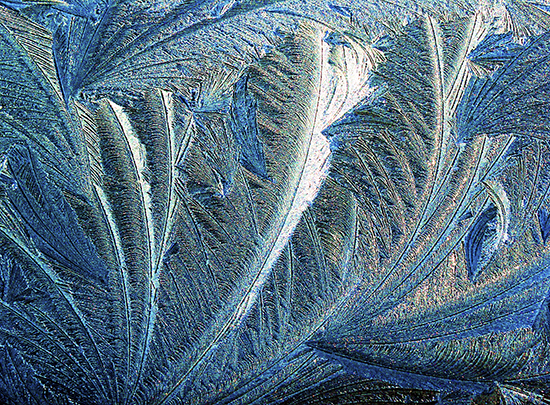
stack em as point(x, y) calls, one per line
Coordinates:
point(274, 202)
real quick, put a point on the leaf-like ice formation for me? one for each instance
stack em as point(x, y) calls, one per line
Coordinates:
point(48, 218)
point(169, 234)
point(483, 230)
point(424, 188)
point(30, 112)
point(512, 99)
point(245, 129)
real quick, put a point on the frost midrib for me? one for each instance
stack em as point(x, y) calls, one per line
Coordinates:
point(140, 165)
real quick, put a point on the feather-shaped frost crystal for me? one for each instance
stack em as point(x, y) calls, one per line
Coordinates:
point(274, 202)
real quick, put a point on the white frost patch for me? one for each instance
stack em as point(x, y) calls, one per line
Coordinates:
point(315, 171)
point(345, 79)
